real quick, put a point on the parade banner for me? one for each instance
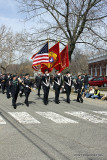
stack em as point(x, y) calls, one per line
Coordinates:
point(54, 58)
point(64, 58)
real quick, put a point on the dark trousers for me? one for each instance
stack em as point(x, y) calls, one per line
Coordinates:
point(3, 88)
point(8, 92)
point(26, 97)
point(46, 93)
point(57, 92)
point(14, 99)
point(68, 91)
point(79, 96)
point(39, 88)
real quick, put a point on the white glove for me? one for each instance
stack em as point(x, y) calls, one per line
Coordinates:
point(27, 86)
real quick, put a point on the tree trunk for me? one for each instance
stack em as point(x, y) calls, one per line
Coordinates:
point(3, 69)
point(71, 48)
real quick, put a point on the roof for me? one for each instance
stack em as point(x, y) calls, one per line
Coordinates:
point(97, 58)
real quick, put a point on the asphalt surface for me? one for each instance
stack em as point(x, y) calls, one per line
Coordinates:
point(56, 131)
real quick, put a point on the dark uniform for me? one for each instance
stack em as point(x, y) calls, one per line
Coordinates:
point(57, 87)
point(46, 87)
point(27, 90)
point(67, 86)
point(3, 83)
point(38, 81)
point(21, 87)
point(8, 82)
point(79, 90)
point(14, 91)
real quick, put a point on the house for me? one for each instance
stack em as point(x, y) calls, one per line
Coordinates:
point(97, 65)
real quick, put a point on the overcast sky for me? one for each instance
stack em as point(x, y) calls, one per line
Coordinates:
point(10, 17)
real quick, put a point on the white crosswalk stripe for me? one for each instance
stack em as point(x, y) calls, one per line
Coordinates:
point(23, 117)
point(87, 116)
point(2, 120)
point(101, 112)
point(56, 117)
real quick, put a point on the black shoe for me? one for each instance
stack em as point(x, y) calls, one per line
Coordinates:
point(45, 103)
point(14, 106)
point(56, 102)
point(27, 104)
point(81, 100)
point(78, 101)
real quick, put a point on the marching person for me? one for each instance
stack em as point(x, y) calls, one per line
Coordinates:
point(21, 86)
point(67, 85)
point(14, 90)
point(27, 88)
point(57, 85)
point(46, 86)
point(79, 89)
point(3, 83)
point(8, 81)
point(38, 80)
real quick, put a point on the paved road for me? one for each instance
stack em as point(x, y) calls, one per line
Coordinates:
point(72, 131)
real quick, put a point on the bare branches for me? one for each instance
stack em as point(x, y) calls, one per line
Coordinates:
point(68, 19)
point(12, 48)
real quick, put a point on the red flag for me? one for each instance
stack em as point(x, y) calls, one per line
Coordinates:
point(64, 58)
point(54, 57)
point(55, 51)
point(44, 67)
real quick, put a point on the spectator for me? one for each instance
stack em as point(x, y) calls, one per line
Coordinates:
point(86, 81)
point(90, 93)
point(96, 93)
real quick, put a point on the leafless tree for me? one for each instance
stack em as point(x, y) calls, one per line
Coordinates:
point(71, 21)
point(12, 49)
point(79, 63)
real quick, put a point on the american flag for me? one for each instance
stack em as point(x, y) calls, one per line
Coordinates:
point(36, 68)
point(42, 56)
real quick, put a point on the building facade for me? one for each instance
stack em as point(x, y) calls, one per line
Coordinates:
point(97, 65)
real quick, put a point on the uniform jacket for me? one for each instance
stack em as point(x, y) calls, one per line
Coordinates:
point(3, 81)
point(28, 84)
point(45, 81)
point(67, 82)
point(14, 87)
point(57, 82)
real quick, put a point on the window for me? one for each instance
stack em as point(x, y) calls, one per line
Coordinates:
point(100, 79)
point(106, 69)
point(95, 79)
point(100, 71)
point(95, 71)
